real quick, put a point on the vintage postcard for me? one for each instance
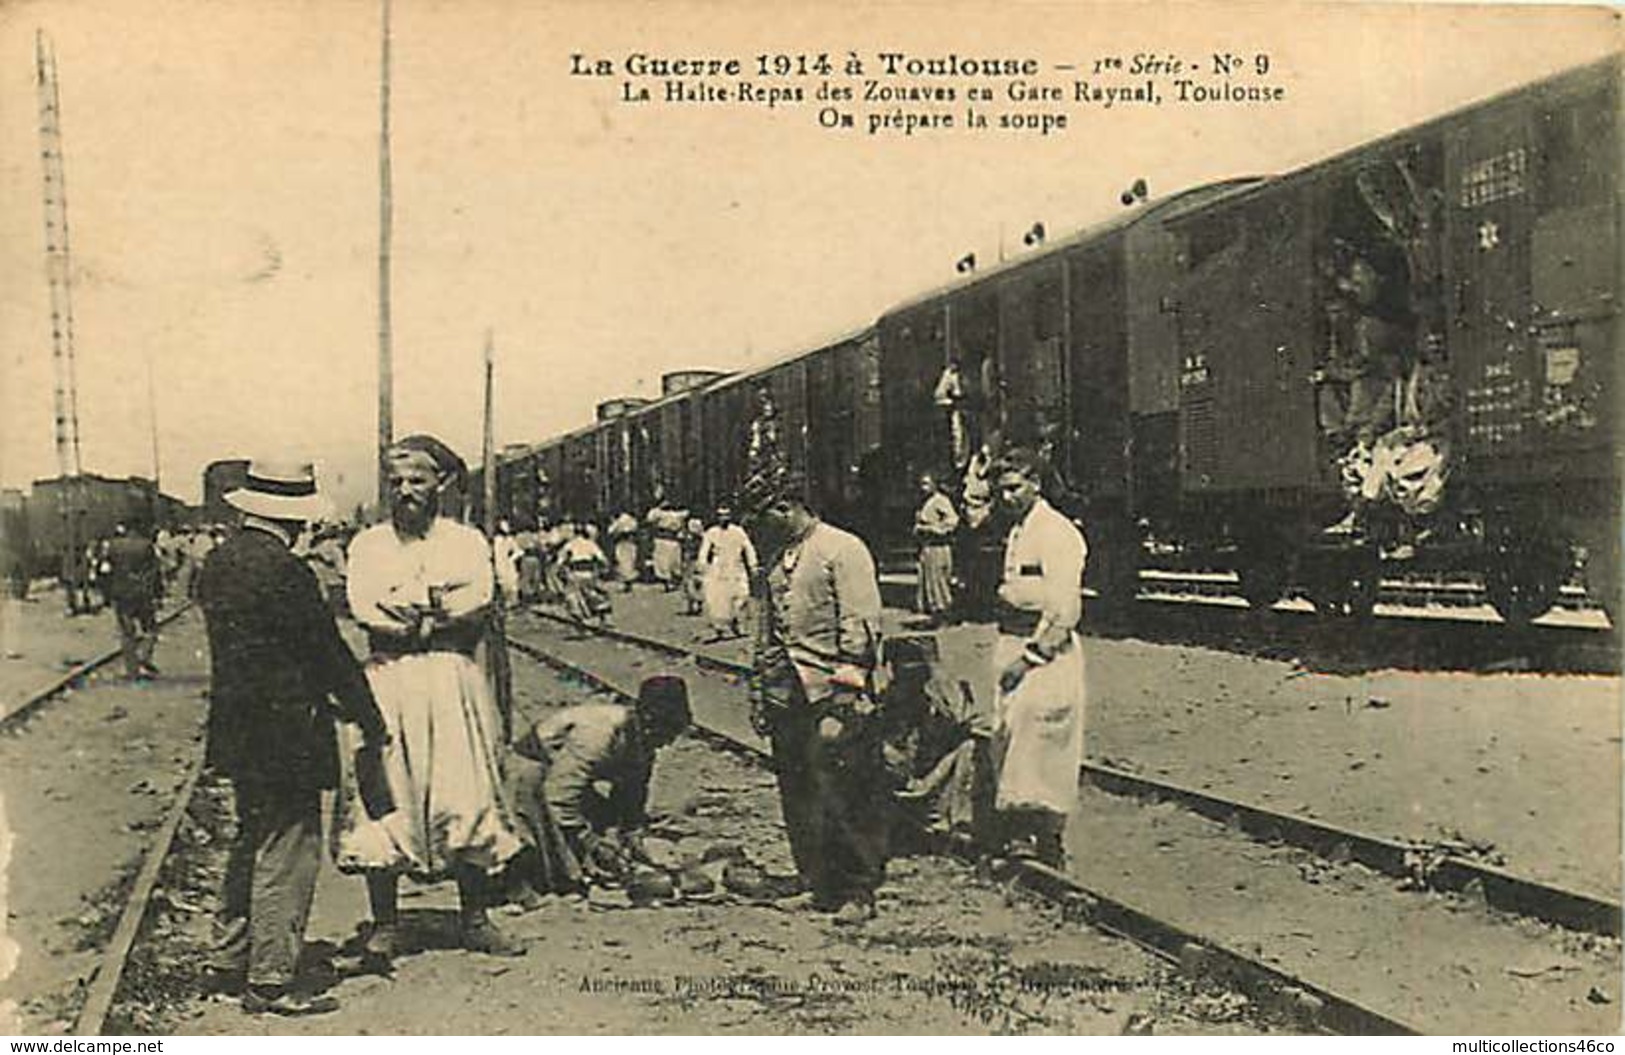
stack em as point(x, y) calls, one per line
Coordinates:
point(536, 517)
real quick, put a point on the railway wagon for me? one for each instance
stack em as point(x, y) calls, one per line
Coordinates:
point(518, 493)
point(517, 489)
point(16, 548)
point(1476, 254)
point(87, 508)
point(578, 489)
point(1068, 350)
point(677, 451)
point(824, 408)
point(694, 445)
point(219, 478)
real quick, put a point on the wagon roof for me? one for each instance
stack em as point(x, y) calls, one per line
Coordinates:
point(1576, 75)
point(1190, 198)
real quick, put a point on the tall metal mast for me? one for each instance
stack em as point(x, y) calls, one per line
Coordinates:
point(58, 266)
point(59, 276)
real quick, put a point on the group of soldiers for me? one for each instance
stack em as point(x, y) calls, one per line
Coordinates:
point(433, 781)
point(711, 565)
point(87, 573)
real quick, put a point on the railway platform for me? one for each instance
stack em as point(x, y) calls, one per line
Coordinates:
point(1518, 770)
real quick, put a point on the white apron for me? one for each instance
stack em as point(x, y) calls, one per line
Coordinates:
point(1040, 729)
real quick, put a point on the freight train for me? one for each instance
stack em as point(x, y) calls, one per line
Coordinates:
point(1402, 357)
point(35, 528)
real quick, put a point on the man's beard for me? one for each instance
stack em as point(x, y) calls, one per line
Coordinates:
point(412, 517)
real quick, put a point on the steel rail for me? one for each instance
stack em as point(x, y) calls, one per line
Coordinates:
point(29, 704)
point(92, 1018)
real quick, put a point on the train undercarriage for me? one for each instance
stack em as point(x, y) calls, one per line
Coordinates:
point(1517, 553)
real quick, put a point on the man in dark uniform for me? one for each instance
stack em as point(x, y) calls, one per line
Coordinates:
point(812, 696)
point(276, 658)
point(133, 586)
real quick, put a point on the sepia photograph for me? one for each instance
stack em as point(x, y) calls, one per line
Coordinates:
point(1065, 517)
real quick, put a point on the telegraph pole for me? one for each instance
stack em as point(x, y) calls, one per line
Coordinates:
point(496, 631)
point(386, 220)
point(157, 475)
point(152, 420)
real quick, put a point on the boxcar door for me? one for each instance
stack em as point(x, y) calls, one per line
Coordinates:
point(1575, 280)
point(1097, 361)
point(1033, 321)
point(1488, 226)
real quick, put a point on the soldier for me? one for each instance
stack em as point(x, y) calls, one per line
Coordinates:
point(1038, 662)
point(728, 561)
point(421, 585)
point(133, 584)
point(693, 570)
point(934, 525)
point(581, 563)
point(665, 525)
point(623, 544)
point(812, 696)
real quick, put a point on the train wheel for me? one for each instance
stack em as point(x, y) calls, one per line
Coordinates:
point(1265, 567)
point(1346, 587)
point(1365, 578)
point(1116, 553)
point(1602, 571)
point(1523, 590)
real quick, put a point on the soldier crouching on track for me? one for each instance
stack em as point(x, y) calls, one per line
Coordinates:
point(276, 656)
point(812, 696)
point(936, 744)
point(1038, 661)
point(579, 832)
point(421, 585)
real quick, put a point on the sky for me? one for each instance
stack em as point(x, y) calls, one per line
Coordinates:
point(222, 180)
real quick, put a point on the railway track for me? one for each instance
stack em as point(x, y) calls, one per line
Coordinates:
point(1451, 630)
point(1311, 1006)
point(1424, 866)
point(21, 710)
point(1407, 596)
point(15, 719)
point(1311, 1003)
point(1057, 974)
point(1312, 849)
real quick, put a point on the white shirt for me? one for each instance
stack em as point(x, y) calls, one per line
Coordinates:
point(453, 558)
point(581, 551)
point(728, 550)
point(1044, 557)
point(505, 550)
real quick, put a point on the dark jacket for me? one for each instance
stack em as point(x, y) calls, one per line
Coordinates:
point(276, 657)
point(133, 580)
